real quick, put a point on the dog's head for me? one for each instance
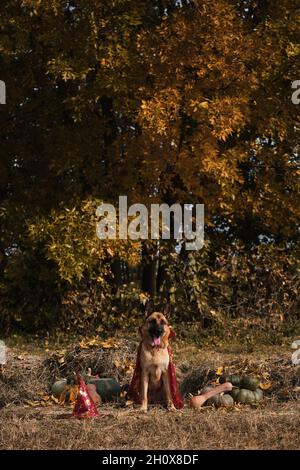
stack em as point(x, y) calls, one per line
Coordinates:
point(156, 329)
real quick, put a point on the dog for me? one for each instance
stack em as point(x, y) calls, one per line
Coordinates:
point(155, 357)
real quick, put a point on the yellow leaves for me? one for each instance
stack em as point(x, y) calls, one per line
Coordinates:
point(69, 235)
point(220, 370)
point(293, 49)
point(158, 113)
point(143, 298)
point(227, 115)
point(46, 397)
point(109, 343)
point(195, 105)
point(265, 385)
point(117, 363)
point(32, 403)
point(204, 105)
point(44, 400)
point(73, 392)
point(90, 343)
point(222, 275)
point(68, 396)
point(110, 252)
point(124, 366)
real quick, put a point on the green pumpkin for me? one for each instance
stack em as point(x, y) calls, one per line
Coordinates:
point(259, 395)
point(214, 401)
point(106, 388)
point(227, 400)
point(247, 397)
point(232, 378)
point(58, 387)
point(250, 383)
point(234, 393)
point(221, 400)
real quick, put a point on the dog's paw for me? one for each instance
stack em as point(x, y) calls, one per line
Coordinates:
point(144, 409)
point(171, 407)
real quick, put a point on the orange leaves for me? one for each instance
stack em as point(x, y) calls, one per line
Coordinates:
point(108, 343)
point(265, 385)
point(157, 114)
point(227, 115)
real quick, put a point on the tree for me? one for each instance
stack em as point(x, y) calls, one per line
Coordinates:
point(164, 101)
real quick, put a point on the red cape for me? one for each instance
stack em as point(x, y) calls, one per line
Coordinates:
point(134, 391)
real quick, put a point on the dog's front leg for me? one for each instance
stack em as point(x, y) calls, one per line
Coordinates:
point(166, 387)
point(145, 384)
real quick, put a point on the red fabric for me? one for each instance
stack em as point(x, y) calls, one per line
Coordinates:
point(84, 406)
point(134, 391)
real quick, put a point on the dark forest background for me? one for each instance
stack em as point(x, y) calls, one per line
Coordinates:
point(163, 101)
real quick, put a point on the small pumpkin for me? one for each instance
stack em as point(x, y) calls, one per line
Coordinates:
point(221, 400)
point(250, 383)
point(213, 395)
point(58, 387)
point(232, 378)
point(234, 393)
point(227, 400)
point(247, 397)
point(107, 388)
point(259, 395)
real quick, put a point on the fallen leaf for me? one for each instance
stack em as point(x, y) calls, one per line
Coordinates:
point(32, 403)
point(108, 344)
point(46, 397)
point(265, 385)
point(73, 394)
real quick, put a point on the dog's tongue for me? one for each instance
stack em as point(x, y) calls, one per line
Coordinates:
point(156, 341)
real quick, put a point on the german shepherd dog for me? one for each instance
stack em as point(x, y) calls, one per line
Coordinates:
point(154, 357)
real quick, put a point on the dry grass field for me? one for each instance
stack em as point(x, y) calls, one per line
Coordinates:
point(27, 424)
point(273, 427)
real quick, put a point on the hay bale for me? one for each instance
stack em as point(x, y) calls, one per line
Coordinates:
point(21, 380)
point(115, 363)
point(195, 381)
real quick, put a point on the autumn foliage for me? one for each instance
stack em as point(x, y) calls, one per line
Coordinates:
point(162, 101)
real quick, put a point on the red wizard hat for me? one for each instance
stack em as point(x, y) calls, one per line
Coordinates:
point(84, 406)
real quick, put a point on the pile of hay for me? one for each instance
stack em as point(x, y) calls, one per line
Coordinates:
point(281, 374)
point(196, 380)
point(22, 380)
point(32, 376)
point(29, 377)
point(115, 362)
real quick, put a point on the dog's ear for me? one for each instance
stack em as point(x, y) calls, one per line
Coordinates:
point(149, 308)
point(167, 310)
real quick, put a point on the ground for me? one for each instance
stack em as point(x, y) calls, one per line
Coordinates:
point(273, 425)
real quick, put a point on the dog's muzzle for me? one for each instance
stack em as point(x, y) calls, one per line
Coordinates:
point(156, 332)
